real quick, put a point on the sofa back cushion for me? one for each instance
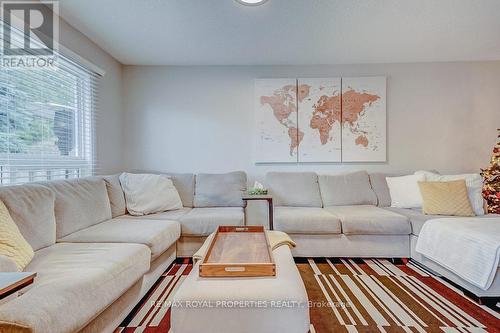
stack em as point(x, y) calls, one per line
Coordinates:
point(184, 183)
point(31, 206)
point(115, 195)
point(347, 189)
point(80, 203)
point(299, 189)
point(379, 186)
point(220, 190)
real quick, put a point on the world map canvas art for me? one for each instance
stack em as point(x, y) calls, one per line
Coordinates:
point(364, 119)
point(319, 114)
point(321, 120)
point(277, 123)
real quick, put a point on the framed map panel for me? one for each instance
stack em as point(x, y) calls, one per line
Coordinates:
point(277, 136)
point(319, 114)
point(364, 119)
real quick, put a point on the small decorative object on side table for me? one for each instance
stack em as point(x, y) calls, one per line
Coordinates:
point(11, 282)
point(258, 192)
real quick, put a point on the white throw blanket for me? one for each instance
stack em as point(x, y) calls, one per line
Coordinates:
point(469, 247)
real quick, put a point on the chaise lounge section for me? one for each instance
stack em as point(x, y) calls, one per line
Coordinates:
point(417, 220)
point(81, 285)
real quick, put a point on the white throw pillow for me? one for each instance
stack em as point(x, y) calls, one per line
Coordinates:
point(148, 194)
point(404, 191)
point(473, 181)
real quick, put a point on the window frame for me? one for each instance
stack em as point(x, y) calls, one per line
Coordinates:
point(60, 166)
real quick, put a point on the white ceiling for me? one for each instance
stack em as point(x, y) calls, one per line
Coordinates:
point(224, 32)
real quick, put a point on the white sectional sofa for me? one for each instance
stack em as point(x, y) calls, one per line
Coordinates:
point(94, 261)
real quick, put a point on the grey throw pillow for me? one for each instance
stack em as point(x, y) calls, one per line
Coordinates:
point(220, 190)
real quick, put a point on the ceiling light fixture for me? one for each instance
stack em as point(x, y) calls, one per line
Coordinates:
point(251, 2)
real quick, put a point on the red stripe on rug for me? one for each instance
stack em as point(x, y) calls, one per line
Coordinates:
point(174, 269)
point(155, 308)
point(187, 270)
point(163, 327)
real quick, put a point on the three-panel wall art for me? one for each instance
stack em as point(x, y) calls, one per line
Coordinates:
point(320, 120)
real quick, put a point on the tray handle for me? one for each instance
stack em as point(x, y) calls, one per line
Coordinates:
point(235, 269)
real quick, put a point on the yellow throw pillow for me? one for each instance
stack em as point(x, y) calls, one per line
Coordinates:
point(445, 198)
point(12, 243)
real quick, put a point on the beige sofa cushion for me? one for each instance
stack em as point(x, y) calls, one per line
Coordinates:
point(115, 195)
point(31, 207)
point(75, 283)
point(370, 220)
point(379, 186)
point(296, 189)
point(347, 189)
point(306, 220)
point(220, 190)
point(417, 218)
point(184, 183)
point(173, 215)
point(79, 204)
point(158, 235)
point(204, 221)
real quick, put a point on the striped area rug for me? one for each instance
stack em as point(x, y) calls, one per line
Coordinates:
point(349, 295)
point(373, 295)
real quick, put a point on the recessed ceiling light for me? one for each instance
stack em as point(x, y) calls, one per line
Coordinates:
point(251, 2)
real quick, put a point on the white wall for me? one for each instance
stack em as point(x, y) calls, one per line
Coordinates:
point(441, 116)
point(110, 120)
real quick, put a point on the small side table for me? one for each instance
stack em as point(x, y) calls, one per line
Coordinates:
point(265, 197)
point(11, 282)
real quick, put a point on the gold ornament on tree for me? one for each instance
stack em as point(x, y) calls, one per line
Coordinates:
point(491, 176)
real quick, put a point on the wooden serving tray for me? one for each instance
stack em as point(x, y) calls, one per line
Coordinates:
point(239, 252)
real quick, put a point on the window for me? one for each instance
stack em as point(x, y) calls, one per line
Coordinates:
point(47, 122)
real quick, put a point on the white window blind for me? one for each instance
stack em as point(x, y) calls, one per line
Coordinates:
point(47, 122)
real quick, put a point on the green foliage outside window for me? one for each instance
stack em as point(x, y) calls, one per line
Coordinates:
point(27, 109)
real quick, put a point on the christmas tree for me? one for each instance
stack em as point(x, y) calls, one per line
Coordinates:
point(491, 176)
